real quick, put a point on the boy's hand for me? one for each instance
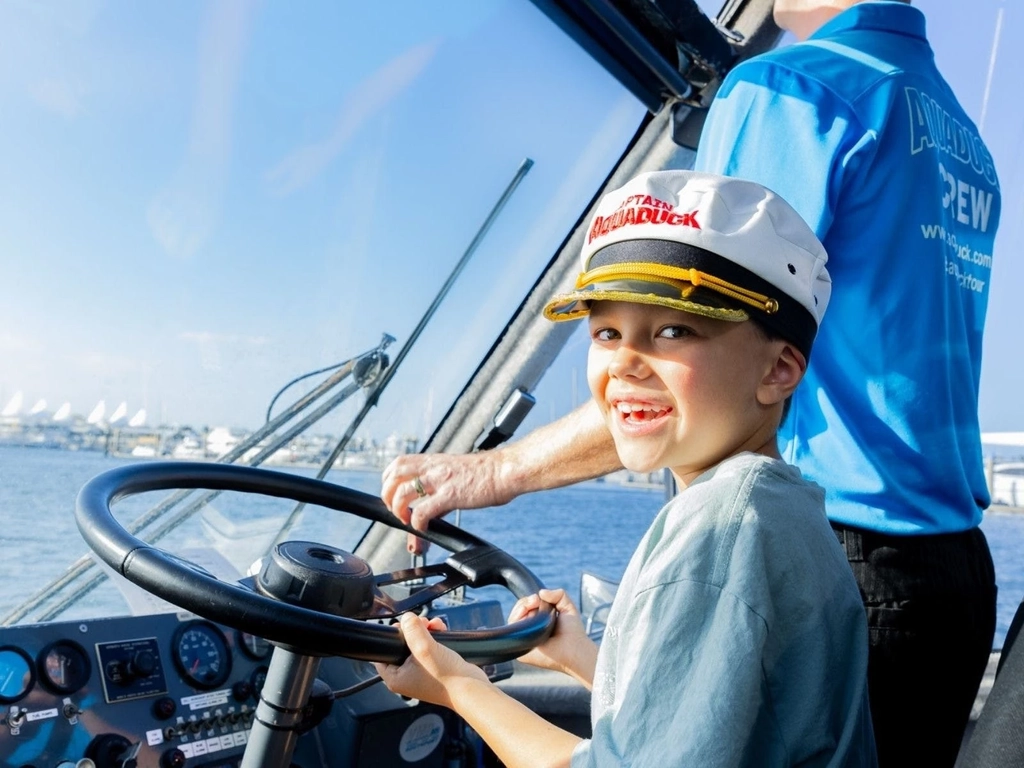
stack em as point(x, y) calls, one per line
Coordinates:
point(568, 650)
point(431, 667)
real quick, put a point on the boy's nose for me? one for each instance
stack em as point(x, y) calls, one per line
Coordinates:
point(627, 362)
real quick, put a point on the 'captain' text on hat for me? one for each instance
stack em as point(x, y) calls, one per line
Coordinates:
point(648, 210)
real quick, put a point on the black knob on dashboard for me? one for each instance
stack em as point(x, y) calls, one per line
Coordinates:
point(172, 758)
point(107, 749)
point(164, 707)
point(242, 690)
point(143, 664)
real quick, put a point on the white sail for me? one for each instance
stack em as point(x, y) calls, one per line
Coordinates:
point(138, 419)
point(39, 407)
point(119, 412)
point(97, 413)
point(63, 412)
point(13, 405)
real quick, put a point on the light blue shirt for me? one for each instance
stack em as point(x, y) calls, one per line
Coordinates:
point(857, 129)
point(737, 636)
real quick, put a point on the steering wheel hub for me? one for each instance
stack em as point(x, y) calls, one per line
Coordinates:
point(318, 576)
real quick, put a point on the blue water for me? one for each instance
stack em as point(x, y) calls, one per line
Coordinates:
point(557, 534)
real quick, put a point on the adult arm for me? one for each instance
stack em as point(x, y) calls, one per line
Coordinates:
point(574, 448)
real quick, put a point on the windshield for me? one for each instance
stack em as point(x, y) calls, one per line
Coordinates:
point(204, 203)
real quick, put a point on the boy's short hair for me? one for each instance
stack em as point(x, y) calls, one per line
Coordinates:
point(712, 245)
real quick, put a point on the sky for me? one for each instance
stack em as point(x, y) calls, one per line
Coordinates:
point(981, 55)
point(203, 201)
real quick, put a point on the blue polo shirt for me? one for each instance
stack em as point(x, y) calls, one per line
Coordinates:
point(857, 129)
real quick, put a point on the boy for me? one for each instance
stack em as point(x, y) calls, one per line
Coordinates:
point(737, 637)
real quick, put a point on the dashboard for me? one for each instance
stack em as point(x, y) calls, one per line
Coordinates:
point(173, 690)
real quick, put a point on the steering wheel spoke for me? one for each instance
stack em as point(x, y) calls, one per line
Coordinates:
point(420, 593)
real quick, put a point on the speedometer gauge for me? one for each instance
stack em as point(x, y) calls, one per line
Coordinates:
point(16, 675)
point(201, 654)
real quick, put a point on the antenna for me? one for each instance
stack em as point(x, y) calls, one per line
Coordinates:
point(991, 69)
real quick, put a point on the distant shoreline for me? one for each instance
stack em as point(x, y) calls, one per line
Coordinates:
point(1004, 509)
point(610, 481)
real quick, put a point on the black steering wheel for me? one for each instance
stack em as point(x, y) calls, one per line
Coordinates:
point(345, 592)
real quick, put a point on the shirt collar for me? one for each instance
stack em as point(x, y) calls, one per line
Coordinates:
point(900, 18)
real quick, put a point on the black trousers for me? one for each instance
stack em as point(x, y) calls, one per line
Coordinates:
point(931, 609)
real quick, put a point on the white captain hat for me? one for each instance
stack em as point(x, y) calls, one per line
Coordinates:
point(712, 245)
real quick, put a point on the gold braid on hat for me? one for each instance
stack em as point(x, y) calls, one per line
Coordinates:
point(663, 273)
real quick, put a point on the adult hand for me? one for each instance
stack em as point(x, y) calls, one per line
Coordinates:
point(568, 650)
point(431, 667)
point(420, 487)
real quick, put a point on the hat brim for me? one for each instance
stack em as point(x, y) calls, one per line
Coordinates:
point(576, 304)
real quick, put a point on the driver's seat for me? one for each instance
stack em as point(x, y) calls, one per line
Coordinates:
point(998, 737)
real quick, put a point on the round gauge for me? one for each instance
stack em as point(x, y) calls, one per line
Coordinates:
point(257, 679)
point(256, 648)
point(64, 666)
point(201, 654)
point(16, 674)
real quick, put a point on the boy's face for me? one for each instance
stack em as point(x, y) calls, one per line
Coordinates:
point(683, 391)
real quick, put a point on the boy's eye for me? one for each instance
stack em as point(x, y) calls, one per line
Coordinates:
point(674, 332)
point(605, 334)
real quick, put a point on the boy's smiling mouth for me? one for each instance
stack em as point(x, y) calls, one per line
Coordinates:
point(634, 413)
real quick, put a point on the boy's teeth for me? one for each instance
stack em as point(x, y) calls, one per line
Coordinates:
point(631, 410)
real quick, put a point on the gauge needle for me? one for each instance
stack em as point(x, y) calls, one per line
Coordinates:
point(195, 666)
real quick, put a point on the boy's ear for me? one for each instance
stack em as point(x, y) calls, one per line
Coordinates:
point(785, 373)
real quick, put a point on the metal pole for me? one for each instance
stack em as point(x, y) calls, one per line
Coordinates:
point(279, 712)
point(371, 400)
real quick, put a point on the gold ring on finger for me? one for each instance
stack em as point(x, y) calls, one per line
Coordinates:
point(417, 485)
